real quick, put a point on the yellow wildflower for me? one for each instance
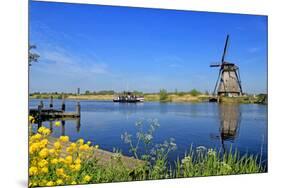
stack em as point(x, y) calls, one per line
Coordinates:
point(43, 163)
point(73, 145)
point(34, 147)
point(59, 182)
point(44, 170)
point(60, 172)
point(68, 159)
point(44, 153)
point(45, 131)
point(61, 160)
point(89, 142)
point(73, 183)
point(50, 183)
point(54, 161)
point(86, 178)
point(64, 138)
point(77, 167)
point(69, 149)
point(33, 170)
point(52, 151)
point(84, 147)
point(31, 119)
point(97, 146)
point(57, 123)
point(43, 143)
point(37, 136)
point(57, 145)
point(80, 141)
point(77, 161)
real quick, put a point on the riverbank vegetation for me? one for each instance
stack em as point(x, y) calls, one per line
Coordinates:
point(73, 163)
point(162, 96)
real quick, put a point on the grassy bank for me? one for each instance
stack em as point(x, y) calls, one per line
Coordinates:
point(147, 97)
point(60, 162)
point(47, 167)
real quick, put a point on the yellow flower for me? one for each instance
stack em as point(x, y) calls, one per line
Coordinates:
point(77, 167)
point(60, 172)
point(59, 182)
point(44, 153)
point(43, 163)
point(61, 160)
point(33, 170)
point(44, 170)
point(77, 161)
point(68, 159)
point(87, 178)
point(57, 123)
point(73, 145)
point(34, 147)
point(43, 143)
point(69, 149)
point(44, 131)
point(50, 183)
point(57, 145)
point(31, 119)
point(54, 161)
point(52, 151)
point(89, 142)
point(64, 138)
point(84, 147)
point(97, 146)
point(73, 183)
point(80, 141)
point(36, 137)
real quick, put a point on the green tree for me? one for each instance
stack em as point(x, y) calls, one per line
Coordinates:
point(32, 57)
point(163, 95)
point(194, 92)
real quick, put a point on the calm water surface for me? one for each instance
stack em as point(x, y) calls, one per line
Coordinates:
point(212, 125)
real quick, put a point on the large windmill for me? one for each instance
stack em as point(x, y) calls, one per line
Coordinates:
point(228, 82)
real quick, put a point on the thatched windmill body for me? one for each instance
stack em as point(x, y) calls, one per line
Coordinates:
point(228, 82)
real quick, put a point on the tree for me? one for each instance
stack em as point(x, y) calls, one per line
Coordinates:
point(32, 57)
point(194, 92)
point(163, 95)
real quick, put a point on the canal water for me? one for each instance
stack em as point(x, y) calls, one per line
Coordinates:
point(212, 125)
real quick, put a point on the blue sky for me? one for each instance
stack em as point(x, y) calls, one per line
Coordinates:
point(104, 47)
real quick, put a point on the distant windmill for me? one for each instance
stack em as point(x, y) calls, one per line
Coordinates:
point(228, 82)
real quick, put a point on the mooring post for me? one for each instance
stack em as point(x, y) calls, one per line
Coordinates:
point(63, 104)
point(62, 128)
point(78, 109)
point(51, 102)
point(78, 124)
point(42, 104)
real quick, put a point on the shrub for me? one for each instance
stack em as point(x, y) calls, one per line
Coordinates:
point(194, 92)
point(163, 95)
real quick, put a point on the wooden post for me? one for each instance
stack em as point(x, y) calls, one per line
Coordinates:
point(42, 104)
point(63, 104)
point(78, 109)
point(51, 125)
point(62, 128)
point(51, 102)
point(78, 124)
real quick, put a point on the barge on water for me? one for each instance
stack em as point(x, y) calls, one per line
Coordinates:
point(128, 97)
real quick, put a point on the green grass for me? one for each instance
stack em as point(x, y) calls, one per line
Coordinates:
point(197, 163)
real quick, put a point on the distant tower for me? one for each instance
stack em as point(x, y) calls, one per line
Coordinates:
point(78, 91)
point(229, 77)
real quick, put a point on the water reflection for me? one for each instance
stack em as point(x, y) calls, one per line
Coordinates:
point(62, 124)
point(230, 118)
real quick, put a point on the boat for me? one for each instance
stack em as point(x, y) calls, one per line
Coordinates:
point(128, 97)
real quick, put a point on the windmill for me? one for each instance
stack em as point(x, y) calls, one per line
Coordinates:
point(228, 82)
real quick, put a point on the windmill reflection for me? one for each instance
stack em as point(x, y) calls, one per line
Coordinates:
point(230, 117)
